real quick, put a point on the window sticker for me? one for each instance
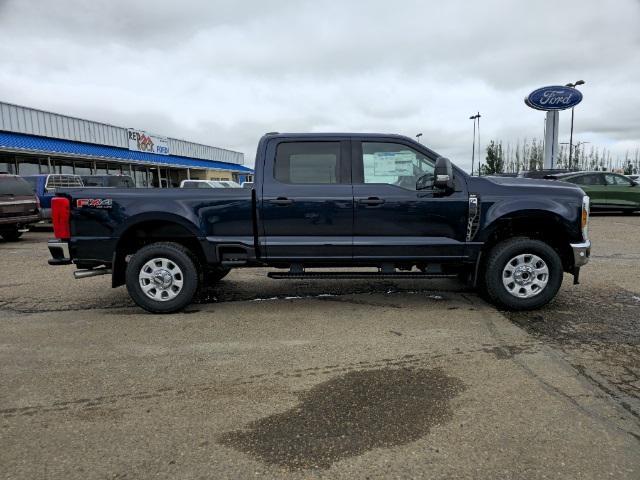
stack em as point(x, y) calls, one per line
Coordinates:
point(393, 163)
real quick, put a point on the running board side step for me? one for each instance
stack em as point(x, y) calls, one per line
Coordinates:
point(354, 275)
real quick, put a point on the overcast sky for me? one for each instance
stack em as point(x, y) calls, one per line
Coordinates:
point(225, 72)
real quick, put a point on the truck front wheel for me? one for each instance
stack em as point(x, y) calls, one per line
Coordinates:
point(162, 277)
point(522, 274)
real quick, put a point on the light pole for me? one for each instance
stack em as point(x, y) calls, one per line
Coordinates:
point(473, 150)
point(572, 85)
point(479, 148)
point(418, 137)
point(575, 149)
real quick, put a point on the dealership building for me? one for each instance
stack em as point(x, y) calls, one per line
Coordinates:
point(37, 142)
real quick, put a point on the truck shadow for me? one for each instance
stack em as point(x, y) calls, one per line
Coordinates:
point(233, 289)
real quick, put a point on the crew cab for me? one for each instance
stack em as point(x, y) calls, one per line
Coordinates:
point(331, 200)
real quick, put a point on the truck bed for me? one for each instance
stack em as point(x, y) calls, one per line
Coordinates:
point(105, 214)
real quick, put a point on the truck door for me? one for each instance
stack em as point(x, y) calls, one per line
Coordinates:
point(307, 200)
point(395, 216)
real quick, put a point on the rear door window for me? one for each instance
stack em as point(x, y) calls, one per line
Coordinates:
point(308, 162)
point(591, 179)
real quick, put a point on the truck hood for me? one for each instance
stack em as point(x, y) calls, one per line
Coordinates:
point(534, 184)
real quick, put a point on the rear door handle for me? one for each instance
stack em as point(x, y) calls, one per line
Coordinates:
point(371, 201)
point(281, 201)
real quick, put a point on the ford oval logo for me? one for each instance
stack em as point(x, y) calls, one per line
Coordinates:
point(554, 98)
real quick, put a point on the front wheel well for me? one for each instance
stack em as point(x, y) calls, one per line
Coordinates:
point(546, 230)
point(146, 233)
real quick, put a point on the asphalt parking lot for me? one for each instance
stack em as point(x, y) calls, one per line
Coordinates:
point(320, 379)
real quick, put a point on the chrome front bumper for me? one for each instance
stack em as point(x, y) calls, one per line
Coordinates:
point(581, 253)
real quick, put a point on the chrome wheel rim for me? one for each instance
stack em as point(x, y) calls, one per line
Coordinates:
point(161, 279)
point(525, 275)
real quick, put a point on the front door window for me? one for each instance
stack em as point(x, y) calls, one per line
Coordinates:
point(396, 164)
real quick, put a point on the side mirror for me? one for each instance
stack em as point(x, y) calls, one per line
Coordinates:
point(444, 174)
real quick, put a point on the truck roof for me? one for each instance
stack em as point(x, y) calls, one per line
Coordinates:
point(335, 134)
point(270, 135)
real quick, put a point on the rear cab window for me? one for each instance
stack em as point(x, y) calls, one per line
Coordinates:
point(11, 185)
point(62, 181)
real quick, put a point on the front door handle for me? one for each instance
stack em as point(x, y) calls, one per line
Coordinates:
point(281, 201)
point(371, 201)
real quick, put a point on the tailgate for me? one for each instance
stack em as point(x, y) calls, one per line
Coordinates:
point(18, 206)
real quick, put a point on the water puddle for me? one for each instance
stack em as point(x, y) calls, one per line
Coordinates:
point(349, 415)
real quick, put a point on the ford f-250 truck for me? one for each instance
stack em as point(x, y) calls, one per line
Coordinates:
point(331, 200)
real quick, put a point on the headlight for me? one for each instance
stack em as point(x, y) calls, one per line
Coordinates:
point(585, 217)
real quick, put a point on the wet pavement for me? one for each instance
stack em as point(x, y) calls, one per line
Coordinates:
point(337, 419)
point(322, 379)
point(597, 330)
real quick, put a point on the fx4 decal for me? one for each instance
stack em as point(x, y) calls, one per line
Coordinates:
point(94, 202)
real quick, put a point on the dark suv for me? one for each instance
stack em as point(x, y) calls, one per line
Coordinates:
point(18, 206)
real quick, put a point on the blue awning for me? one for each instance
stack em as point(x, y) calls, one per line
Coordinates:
point(53, 146)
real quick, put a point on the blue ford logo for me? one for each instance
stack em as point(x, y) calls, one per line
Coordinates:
point(554, 98)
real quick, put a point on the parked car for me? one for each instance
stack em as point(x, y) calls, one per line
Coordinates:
point(248, 185)
point(18, 206)
point(332, 200)
point(634, 177)
point(45, 186)
point(607, 191)
point(209, 184)
point(109, 181)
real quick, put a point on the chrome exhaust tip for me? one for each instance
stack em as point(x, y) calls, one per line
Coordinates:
point(78, 274)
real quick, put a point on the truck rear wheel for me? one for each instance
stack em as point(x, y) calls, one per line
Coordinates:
point(162, 277)
point(522, 274)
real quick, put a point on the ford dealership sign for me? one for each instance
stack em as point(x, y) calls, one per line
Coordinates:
point(553, 98)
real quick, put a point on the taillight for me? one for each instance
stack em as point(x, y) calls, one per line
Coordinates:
point(61, 216)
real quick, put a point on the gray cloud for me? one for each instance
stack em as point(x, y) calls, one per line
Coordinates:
point(223, 72)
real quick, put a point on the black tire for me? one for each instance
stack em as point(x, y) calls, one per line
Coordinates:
point(215, 274)
point(501, 254)
point(177, 255)
point(11, 235)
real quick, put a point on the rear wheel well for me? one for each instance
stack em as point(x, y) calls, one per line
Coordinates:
point(148, 232)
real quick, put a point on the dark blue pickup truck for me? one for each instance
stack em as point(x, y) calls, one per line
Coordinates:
point(331, 200)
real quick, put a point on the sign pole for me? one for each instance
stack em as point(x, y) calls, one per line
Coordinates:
point(551, 145)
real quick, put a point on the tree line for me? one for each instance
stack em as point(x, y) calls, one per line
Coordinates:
point(528, 155)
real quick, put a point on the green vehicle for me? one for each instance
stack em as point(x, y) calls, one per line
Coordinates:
point(607, 191)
